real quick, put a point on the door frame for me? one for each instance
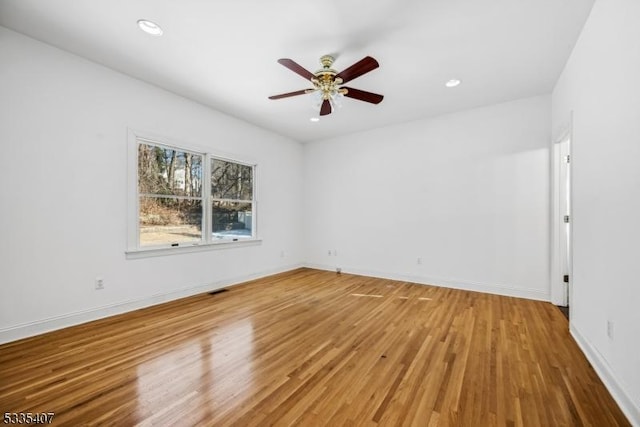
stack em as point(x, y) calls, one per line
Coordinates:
point(560, 292)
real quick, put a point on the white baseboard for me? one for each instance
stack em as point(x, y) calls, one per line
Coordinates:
point(602, 368)
point(38, 327)
point(505, 290)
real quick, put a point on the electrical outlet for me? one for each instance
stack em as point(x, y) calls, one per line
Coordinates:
point(419, 260)
point(329, 252)
point(610, 329)
point(335, 252)
point(99, 284)
point(282, 254)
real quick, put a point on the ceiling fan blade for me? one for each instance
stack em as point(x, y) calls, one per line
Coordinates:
point(326, 108)
point(286, 95)
point(359, 68)
point(296, 68)
point(363, 95)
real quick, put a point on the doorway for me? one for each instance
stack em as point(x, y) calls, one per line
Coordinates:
point(564, 220)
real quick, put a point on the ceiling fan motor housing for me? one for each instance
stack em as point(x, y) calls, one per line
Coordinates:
point(326, 81)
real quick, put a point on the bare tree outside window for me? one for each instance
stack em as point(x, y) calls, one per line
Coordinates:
point(170, 195)
point(232, 200)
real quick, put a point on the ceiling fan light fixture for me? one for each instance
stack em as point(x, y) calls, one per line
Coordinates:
point(453, 83)
point(316, 99)
point(150, 27)
point(336, 97)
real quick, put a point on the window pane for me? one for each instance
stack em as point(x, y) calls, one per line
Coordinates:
point(231, 180)
point(167, 171)
point(165, 221)
point(231, 221)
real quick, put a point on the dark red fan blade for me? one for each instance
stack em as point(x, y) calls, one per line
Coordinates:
point(326, 108)
point(286, 95)
point(359, 68)
point(293, 66)
point(363, 95)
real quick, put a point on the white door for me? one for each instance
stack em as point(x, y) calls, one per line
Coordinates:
point(564, 193)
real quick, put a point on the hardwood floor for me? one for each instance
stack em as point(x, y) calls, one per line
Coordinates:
point(314, 348)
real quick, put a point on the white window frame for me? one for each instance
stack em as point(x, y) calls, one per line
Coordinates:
point(134, 250)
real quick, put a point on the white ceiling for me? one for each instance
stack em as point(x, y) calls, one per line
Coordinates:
point(223, 53)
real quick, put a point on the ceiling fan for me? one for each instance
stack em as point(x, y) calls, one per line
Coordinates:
point(327, 82)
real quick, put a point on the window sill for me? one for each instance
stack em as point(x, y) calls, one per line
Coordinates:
point(201, 247)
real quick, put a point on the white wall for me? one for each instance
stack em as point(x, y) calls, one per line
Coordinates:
point(600, 85)
point(63, 190)
point(466, 192)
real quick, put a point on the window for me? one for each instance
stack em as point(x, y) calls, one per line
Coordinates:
point(169, 195)
point(231, 200)
point(190, 198)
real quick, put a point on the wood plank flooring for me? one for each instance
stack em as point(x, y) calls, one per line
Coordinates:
point(314, 348)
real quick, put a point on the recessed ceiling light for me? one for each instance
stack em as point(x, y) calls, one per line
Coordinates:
point(150, 27)
point(453, 83)
point(315, 119)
